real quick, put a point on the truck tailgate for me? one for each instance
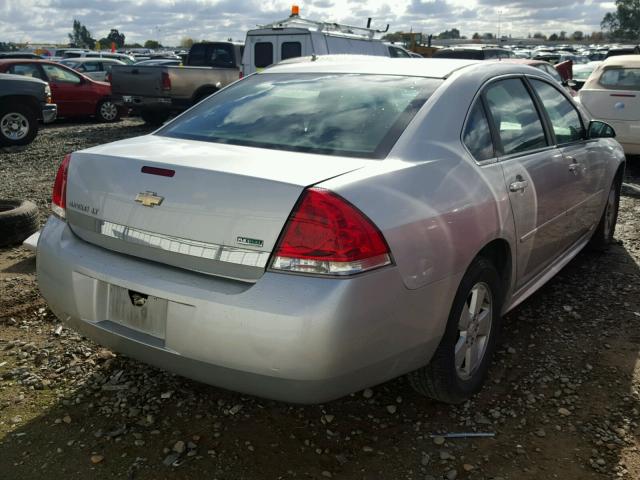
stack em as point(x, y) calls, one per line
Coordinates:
point(137, 80)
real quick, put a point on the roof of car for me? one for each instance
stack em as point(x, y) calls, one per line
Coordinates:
point(622, 61)
point(523, 61)
point(374, 65)
point(91, 59)
point(24, 60)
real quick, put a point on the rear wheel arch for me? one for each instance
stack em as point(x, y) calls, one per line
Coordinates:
point(203, 92)
point(499, 253)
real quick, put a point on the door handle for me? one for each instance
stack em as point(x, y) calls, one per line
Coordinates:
point(518, 186)
point(574, 165)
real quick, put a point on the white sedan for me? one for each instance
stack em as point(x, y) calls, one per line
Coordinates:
point(612, 93)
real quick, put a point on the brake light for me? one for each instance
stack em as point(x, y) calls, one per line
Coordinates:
point(326, 234)
point(59, 195)
point(240, 75)
point(166, 81)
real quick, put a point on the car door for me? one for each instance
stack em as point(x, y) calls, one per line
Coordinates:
point(585, 164)
point(535, 176)
point(68, 90)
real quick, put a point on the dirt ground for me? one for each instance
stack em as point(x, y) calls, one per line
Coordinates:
point(562, 401)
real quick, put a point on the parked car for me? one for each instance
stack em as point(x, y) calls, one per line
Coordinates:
point(623, 50)
point(582, 72)
point(75, 94)
point(18, 55)
point(95, 68)
point(121, 57)
point(300, 37)
point(560, 73)
point(157, 91)
point(23, 102)
point(612, 93)
point(474, 52)
point(396, 51)
point(324, 226)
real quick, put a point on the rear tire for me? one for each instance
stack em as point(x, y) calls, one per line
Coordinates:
point(461, 362)
point(107, 111)
point(603, 235)
point(154, 117)
point(18, 124)
point(18, 220)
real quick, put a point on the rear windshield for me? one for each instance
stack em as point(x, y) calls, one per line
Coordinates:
point(464, 54)
point(621, 78)
point(334, 114)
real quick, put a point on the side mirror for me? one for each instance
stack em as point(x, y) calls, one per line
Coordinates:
point(598, 129)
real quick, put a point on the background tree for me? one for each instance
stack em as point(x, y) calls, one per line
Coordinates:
point(152, 44)
point(578, 36)
point(476, 36)
point(553, 37)
point(454, 33)
point(186, 42)
point(393, 37)
point(488, 36)
point(563, 36)
point(113, 37)
point(539, 36)
point(81, 37)
point(625, 21)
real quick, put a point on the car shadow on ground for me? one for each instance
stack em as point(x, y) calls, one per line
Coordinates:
point(562, 399)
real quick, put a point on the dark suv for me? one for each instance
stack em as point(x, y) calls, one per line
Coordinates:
point(23, 102)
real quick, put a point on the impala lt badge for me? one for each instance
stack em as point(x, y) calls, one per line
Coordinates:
point(149, 199)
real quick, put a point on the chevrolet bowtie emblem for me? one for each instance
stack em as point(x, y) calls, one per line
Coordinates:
point(149, 199)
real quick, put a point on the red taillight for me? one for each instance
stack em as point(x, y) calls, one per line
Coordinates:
point(166, 81)
point(240, 75)
point(327, 235)
point(59, 195)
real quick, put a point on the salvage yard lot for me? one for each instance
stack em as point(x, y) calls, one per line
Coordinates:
point(563, 398)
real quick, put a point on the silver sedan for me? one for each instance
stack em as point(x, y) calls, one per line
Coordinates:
point(332, 223)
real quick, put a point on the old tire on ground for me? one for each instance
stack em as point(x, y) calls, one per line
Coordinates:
point(603, 235)
point(107, 111)
point(460, 364)
point(154, 117)
point(18, 124)
point(18, 220)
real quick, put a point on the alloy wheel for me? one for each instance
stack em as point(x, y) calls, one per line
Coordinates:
point(474, 328)
point(108, 111)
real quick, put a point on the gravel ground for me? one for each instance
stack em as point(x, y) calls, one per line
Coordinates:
point(563, 398)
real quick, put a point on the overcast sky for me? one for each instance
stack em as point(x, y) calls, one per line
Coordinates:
point(168, 21)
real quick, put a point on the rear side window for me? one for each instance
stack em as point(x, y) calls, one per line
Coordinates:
point(198, 55)
point(263, 54)
point(565, 119)
point(91, 67)
point(621, 78)
point(26, 70)
point(515, 115)
point(290, 50)
point(477, 135)
point(221, 56)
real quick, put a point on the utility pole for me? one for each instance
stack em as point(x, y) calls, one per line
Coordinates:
point(499, 15)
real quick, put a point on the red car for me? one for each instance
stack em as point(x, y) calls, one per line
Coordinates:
point(75, 94)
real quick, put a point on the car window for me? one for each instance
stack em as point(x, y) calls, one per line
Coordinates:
point(59, 75)
point(621, 78)
point(515, 115)
point(222, 56)
point(477, 135)
point(334, 114)
point(197, 54)
point(263, 54)
point(565, 119)
point(290, 50)
point(92, 67)
point(396, 52)
point(553, 72)
point(26, 70)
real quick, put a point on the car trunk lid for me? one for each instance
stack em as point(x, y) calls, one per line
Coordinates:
point(213, 208)
point(612, 104)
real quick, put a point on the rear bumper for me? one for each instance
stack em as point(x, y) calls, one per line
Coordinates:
point(137, 103)
point(627, 134)
point(49, 112)
point(287, 337)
